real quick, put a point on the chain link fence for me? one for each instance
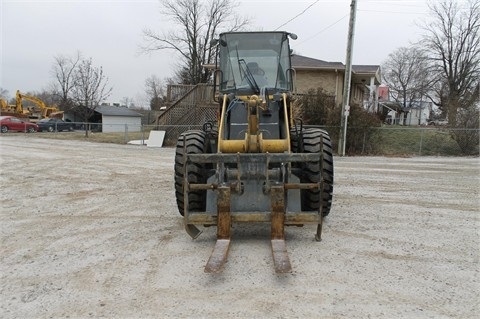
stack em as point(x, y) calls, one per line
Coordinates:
point(387, 140)
point(408, 141)
point(390, 141)
point(417, 141)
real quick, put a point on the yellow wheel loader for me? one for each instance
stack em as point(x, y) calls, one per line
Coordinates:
point(257, 163)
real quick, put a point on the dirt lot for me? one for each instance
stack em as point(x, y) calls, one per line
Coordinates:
point(92, 230)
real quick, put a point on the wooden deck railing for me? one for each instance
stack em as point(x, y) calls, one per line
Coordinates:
point(189, 105)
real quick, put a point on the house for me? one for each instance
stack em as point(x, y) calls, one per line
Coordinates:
point(117, 119)
point(112, 119)
point(194, 104)
point(313, 73)
point(418, 113)
point(415, 113)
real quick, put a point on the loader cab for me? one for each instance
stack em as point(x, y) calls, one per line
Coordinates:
point(250, 62)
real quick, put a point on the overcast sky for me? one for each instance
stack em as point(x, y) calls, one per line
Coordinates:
point(33, 32)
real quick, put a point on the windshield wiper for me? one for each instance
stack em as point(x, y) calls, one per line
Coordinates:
point(248, 75)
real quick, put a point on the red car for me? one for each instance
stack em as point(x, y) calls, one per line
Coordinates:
point(11, 123)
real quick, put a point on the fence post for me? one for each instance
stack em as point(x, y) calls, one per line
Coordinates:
point(421, 142)
point(364, 141)
point(126, 133)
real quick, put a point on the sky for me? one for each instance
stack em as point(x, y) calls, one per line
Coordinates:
point(33, 32)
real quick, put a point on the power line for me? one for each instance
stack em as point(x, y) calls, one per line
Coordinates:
point(387, 11)
point(297, 15)
point(323, 30)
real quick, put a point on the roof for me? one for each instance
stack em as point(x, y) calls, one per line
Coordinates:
point(303, 62)
point(365, 68)
point(300, 62)
point(116, 111)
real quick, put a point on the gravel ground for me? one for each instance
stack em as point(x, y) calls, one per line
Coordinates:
point(92, 230)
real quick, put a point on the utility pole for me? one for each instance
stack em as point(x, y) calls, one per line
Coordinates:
point(347, 81)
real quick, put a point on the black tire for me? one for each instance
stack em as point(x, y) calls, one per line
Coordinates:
point(195, 143)
point(4, 129)
point(314, 140)
point(50, 129)
point(31, 130)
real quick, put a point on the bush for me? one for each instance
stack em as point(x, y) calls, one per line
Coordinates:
point(318, 108)
point(465, 132)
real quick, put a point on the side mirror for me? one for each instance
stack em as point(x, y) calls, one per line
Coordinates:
point(215, 42)
point(293, 36)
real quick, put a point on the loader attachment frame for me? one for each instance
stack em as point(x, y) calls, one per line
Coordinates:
point(278, 215)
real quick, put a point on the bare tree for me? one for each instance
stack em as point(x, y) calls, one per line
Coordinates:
point(49, 97)
point(198, 23)
point(154, 88)
point(405, 73)
point(63, 71)
point(452, 42)
point(127, 102)
point(90, 88)
point(3, 93)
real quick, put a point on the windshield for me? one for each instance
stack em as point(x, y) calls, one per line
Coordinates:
point(255, 60)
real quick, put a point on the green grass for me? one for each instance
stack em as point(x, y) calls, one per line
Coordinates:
point(387, 140)
point(116, 138)
point(394, 140)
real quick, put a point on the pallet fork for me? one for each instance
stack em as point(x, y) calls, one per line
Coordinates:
point(278, 215)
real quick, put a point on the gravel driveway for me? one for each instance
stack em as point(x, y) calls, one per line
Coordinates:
point(92, 230)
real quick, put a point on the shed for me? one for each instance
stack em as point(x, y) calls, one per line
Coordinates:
point(117, 119)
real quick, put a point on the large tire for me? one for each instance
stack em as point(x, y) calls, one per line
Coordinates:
point(4, 129)
point(314, 140)
point(193, 142)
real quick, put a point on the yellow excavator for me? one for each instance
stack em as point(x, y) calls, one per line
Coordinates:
point(41, 111)
point(4, 105)
point(13, 110)
point(35, 114)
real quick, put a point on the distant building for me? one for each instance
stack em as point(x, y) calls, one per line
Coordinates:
point(313, 73)
point(109, 119)
point(416, 112)
point(117, 119)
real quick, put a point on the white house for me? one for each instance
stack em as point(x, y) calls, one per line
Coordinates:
point(417, 113)
point(118, 119)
